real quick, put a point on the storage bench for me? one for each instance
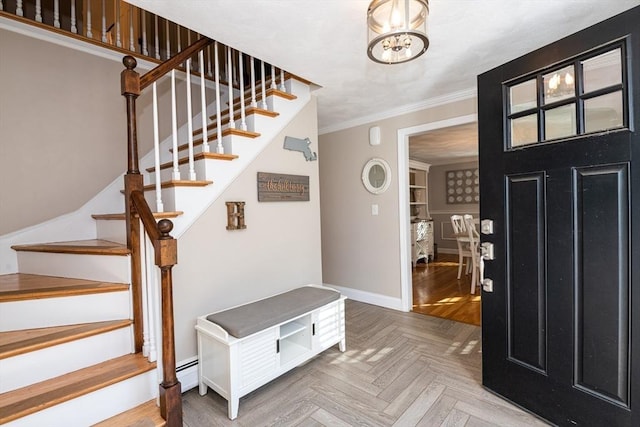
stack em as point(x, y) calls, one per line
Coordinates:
point(244, 347)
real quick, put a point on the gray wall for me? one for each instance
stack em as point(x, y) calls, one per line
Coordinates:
point(441, 211)
point(63, 128)
point(361, 251)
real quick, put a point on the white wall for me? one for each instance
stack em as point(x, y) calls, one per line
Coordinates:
point(361, 252)
point(279, 250)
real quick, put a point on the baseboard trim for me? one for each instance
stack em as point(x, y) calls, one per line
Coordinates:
point(369, 297)
point(447, 251)
point(187, 373)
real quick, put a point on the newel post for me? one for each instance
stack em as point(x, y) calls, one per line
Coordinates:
point(170, 389)
point(130, 86)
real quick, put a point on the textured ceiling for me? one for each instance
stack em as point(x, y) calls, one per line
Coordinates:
point(325, 42)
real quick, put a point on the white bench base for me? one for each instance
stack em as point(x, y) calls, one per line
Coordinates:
point(234, 367)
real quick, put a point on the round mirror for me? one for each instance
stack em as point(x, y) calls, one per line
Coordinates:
point(376, 176)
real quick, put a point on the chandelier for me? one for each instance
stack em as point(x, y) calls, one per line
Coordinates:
point(559, 85)
point(397, 30)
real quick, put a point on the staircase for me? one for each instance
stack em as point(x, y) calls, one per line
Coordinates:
point(78, 340)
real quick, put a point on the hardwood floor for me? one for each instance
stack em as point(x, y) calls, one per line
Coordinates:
point(438, 292)
point(400, 369)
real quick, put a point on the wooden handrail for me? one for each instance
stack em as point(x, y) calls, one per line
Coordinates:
point(145, 214)
point(137, 210)
point(174, 62)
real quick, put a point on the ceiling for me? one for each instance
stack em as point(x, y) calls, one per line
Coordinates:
point(325, 41)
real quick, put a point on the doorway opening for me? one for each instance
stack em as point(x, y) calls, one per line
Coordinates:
point(447, 150)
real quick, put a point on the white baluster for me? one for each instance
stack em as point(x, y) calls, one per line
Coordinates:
point(56, 13)
point(145, 254)
point(38, 11)
point(151, 284)
point(216, 62)
point(203, 99)
point(209, 61)
point(19, 10)
point(89, 34)
point(243, 116)
point(156, 149)
point(118, 37)
point(145, 49)
point(282, 86)
point(166, 35)
point(132, 44)
point(264, 86)
point(1, 5)
point(254, 104)
point(232, 123)
point(192, 171)
point(157, 37)
point(104, 23)
point(74, 26)
point(273, 78)
point(174, 127)
point(179, 43)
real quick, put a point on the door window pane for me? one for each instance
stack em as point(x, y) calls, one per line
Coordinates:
point(560, 122)
point(603, 112)
point(524, 130)
point(522, 96)
point(559, 84)
point(602, 71)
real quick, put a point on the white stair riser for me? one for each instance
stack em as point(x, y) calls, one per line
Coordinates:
point(42, 313)
point(96, 406)
point(112, 230)
point(106, 268)
point(256, 122)
point(24, 369)
point(296, 87)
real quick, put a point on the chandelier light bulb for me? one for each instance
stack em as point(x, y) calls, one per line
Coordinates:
point(568, 79)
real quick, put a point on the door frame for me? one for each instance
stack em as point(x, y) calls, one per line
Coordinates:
point(406, 298)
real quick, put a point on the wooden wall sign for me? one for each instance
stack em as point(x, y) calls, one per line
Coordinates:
point(235, 216)
point(277, 187)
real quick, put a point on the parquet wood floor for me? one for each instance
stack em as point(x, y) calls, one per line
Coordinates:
point(438, 292)
point(400, 369)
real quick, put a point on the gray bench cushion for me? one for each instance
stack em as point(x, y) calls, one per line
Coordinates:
point(256, 316)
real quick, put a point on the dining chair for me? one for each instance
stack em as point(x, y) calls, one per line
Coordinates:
point(462, 239)
point(474, 249)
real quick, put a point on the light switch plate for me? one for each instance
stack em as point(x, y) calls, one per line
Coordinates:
point(374, 209)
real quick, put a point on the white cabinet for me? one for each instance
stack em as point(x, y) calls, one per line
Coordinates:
point(421, 241)
point(420, 219)
point(233, 367)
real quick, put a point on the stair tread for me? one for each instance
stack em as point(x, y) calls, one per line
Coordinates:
point(225, 132)
point(145, 415)
point(13, 343)
point(36, 397)
point(196, 157)
point(87, 247)
point(21, 286)
point(180, 183)
point(122, 217)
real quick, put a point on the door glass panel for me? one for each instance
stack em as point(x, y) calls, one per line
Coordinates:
point(523, 96)
point(603, 112)
point(560, 122)
point(524, 130)
point(602, 71)
point(559, 84)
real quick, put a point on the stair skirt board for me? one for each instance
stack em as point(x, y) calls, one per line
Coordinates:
point(28, 368)
point(105, 268)
point(45, 312)
point(96, 406)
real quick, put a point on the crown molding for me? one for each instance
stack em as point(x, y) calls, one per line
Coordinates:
point(406, 109)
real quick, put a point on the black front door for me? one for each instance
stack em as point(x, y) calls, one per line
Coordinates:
point(560, 179)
